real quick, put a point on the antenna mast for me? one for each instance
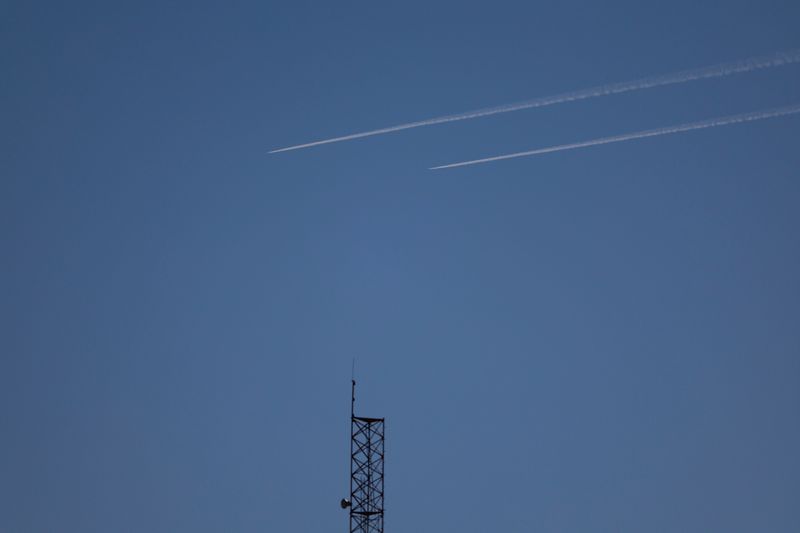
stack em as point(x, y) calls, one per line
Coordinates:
point(366, 471)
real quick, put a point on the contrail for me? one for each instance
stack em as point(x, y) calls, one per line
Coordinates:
point(710, 123)
point(716, 71)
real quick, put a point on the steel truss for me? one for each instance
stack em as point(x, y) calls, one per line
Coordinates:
point(366, 472)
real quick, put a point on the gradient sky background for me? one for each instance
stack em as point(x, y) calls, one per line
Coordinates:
point(597, 340)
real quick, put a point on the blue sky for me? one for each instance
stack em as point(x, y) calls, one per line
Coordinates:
point(603, 339)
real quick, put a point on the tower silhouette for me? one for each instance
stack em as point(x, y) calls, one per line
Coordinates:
point(366, 471)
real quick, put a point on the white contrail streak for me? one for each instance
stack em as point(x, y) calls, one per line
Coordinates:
point(716, 71)
point(710, 123)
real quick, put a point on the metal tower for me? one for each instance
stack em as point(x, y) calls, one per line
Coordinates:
point(366, 472)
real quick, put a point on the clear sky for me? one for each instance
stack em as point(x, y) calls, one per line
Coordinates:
point(604, 339)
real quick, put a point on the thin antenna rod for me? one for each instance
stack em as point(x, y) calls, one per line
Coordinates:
point(353, 400)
